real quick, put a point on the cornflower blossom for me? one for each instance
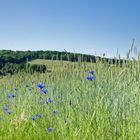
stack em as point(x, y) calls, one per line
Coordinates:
point(49, 100)
point(44, 91)
point(90, 78)
point(8, 112)
point(50, 129)
point(41, 86)
point(39, 115)
point(5, 108)
point(91, 72)
point(11, 95)
point(33, 118)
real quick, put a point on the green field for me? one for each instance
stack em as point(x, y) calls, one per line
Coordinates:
point(106, 108)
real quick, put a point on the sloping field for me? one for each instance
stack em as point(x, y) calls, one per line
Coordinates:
point(64, 105)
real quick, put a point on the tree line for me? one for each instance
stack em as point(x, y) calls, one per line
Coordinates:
point(13, 61)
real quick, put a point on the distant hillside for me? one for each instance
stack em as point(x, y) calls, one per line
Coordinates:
point(20, 57)
point(15, 61)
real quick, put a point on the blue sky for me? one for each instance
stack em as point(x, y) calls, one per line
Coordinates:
point(85, 26)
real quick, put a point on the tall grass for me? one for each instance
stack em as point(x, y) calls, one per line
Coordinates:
point(107, 108)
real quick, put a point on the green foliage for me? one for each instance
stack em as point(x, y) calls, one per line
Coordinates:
point(107, 108)
point(11, 68)
point(31, 68)
point(19, 57)
point(14, 61)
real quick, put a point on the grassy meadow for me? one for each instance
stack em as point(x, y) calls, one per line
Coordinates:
point(74, 108)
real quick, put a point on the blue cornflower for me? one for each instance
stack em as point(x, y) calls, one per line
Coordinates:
point(11, 95)
point(91, 72)
point(39, 115)
point(5, 108)
point(40, 85)
point(90, 78)
point(50, 129)
point(44, 91)
point(33, 118)
point(49, 100)
point(9, 112)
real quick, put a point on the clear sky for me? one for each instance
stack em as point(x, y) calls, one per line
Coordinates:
point(85, 26)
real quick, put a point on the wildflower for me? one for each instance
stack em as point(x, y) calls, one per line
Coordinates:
point(33, 118)
point(40, 86)
point(44, 91)
point(39, 115)
point(11, 95)
point(9, 112)
point(5, 108)
point(49, 100)
point(90, 78)
point(91, 72)
point(50, 129)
